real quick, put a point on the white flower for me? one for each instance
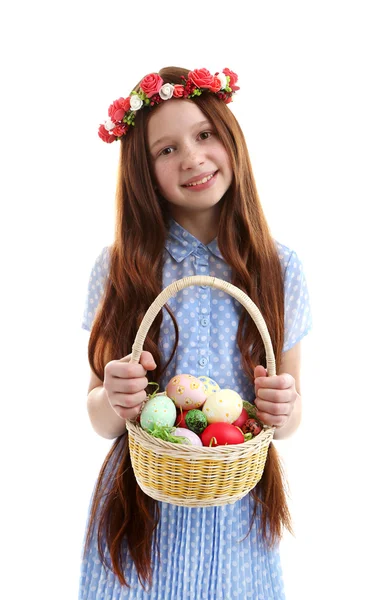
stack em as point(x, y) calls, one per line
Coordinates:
point(166, 91)
point(223, 80)
point(109, 125)
point(135, 102)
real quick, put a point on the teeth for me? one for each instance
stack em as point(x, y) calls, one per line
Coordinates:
point(204, 180)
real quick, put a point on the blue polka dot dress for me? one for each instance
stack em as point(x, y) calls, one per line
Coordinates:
point(204, 552)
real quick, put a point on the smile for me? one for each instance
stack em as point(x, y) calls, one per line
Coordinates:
point(201, 181)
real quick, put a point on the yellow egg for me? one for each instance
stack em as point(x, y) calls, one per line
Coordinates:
point(223, 406)
point(186, 391)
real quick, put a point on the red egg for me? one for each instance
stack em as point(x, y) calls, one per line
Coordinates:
point(180, 420)
point(220, 434)
point(241, 419)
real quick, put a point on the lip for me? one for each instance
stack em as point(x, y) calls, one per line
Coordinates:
point(198, 178)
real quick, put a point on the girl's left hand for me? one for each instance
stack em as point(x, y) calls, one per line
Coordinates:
point(275, 397)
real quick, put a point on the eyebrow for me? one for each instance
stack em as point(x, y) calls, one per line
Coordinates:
point(169, 137)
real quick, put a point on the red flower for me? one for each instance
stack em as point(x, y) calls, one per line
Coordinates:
point(151, 84)
point(105, 135)
point(202, 78)
point(216, 85)
point(120, 130)
point(233, 79)
point(118, 109)
point(178, 91)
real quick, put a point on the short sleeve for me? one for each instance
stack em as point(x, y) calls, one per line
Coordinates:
point(298, 318)
point(96, 286)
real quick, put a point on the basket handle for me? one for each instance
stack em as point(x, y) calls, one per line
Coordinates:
point(213, 282)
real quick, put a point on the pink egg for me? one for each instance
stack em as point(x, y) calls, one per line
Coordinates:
point(190, 435)
point(186, 391)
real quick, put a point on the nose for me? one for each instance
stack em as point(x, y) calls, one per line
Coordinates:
point(192, 157)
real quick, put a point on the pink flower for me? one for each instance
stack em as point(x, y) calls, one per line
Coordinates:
point(105, 135)
point(120, 130)
point(202, 78)
point(151, 84)
point(178, 91)
point(233, 79)
point(118, 109)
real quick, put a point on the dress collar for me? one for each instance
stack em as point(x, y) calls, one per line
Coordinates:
point(180, 243)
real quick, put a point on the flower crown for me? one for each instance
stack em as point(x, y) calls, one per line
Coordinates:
point(152, 91)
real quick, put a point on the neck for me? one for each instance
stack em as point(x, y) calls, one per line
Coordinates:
point(203, 225)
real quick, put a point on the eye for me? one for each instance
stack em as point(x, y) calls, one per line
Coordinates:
point(166, 151)
point(204, 135)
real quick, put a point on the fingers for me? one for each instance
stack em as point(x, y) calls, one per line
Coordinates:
point(128, 407)
point(275, 396)
point(272, 413)
point(277, 382)
point(146, 360)
point(260, 371)
point(125, 370)
point(128, 401)
point(129, 386)
point(272, 420)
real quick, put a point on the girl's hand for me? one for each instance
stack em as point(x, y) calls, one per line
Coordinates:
point(275, 397)
point(125, 384)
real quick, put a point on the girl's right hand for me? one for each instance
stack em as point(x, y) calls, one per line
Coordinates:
point(125, 384)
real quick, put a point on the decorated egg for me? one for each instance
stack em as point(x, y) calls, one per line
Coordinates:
point(190, 435)
point(209, 384)
point(251, 426)
point(196, 420)
point(221, 434)
point(159, 410)
point(186, 391)
point(224, 406)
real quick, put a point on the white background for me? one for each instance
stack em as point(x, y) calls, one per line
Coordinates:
point(315, 107)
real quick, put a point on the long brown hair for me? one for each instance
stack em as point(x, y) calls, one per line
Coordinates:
point(123, 517)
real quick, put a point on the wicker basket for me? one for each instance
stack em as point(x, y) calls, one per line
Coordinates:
point(188, 475)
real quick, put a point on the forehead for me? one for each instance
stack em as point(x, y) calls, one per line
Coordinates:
point(173, 117)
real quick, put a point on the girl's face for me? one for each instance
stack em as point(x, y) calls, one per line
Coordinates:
point(191, 166)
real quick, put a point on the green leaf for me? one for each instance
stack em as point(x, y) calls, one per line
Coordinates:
point(251, 410)
point(164, 432)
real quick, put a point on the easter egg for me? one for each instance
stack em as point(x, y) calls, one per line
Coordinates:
point(252, 426)
point(190, 435)
point(220, 434)
point(180, 420)
point(209, 384)
point(241, 419)
point(223, 406)
point(159, 410)
point(186, 391)
point(196, 420)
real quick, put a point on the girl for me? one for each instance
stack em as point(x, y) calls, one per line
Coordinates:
point(187, 205)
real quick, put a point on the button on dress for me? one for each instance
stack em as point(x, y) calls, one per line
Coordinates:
point(203, 553)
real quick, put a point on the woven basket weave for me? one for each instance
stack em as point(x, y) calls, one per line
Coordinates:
point(188, 475)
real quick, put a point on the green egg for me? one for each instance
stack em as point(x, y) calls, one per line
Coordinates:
point(196, 420)
point(159, 410)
